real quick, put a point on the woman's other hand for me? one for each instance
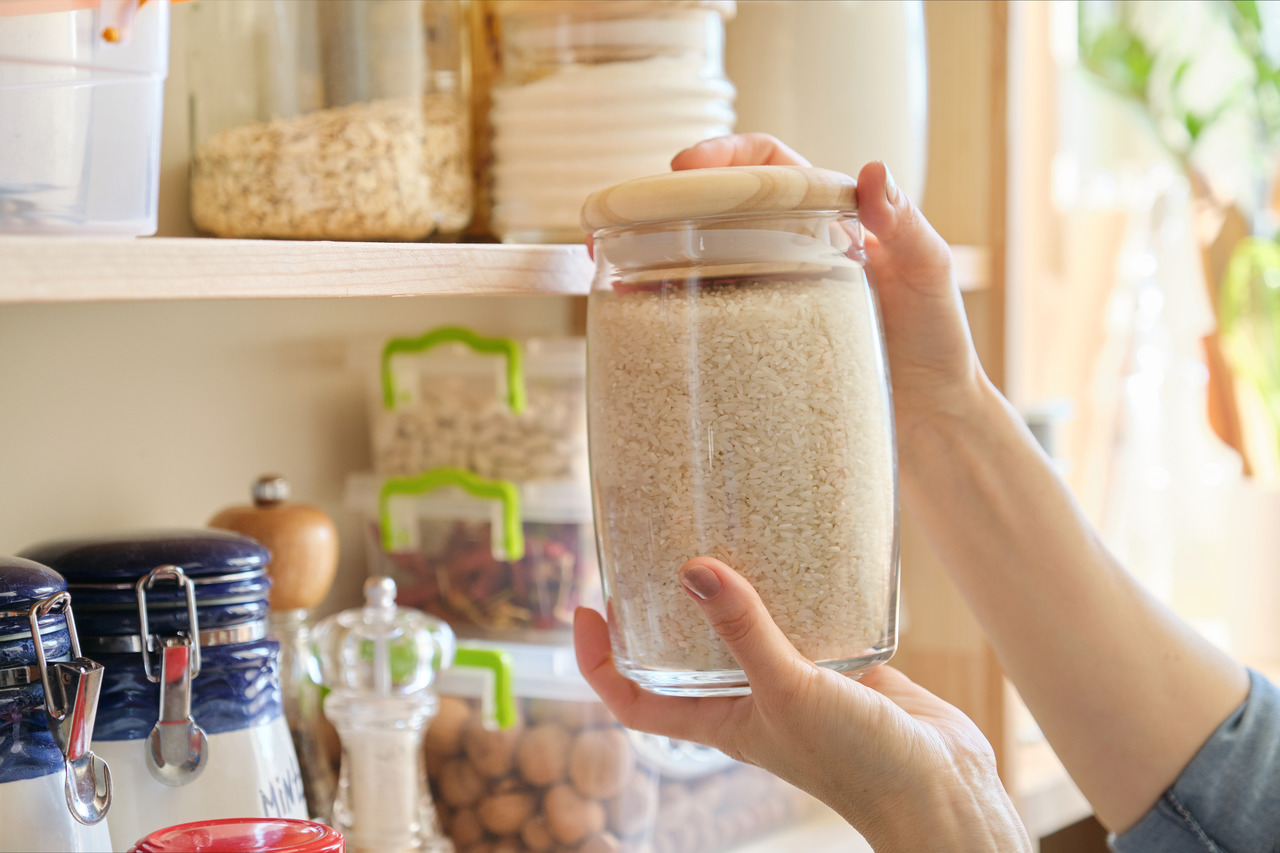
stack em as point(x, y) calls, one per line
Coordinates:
point(933, 364)
point(907, 770)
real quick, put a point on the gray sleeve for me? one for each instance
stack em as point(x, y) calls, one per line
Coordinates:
point(1227, 800)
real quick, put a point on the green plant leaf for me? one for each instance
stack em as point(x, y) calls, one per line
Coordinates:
point(1122, 58)
point(1194, 124)
point(1247, 10)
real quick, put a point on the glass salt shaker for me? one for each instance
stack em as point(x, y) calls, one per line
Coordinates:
point(381, 663)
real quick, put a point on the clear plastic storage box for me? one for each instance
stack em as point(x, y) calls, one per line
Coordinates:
point(498, 407)
point(81, 99)
point(333, 120)
point(564, 775)
point(493, 558)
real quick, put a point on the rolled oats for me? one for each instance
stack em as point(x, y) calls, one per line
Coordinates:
point(392, 169)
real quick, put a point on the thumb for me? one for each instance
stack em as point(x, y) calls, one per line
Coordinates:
point(906, 246)
point(739, 617)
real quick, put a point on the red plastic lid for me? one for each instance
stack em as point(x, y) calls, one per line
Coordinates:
point(244, 835)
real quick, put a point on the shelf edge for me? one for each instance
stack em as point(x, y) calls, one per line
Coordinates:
point(65, 270)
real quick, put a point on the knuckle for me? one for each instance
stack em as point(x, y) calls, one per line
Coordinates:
point(736, 626)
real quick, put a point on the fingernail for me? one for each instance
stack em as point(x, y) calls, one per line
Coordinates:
point(890, 186)
point(700, 581)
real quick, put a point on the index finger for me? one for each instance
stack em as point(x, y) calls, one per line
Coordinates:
point(699, 719)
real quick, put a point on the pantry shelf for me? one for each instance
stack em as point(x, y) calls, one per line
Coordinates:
point(49, 269)
point(54, 269)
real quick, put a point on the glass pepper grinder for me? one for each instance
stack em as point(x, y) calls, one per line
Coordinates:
point(303, 542)
point(381, 663)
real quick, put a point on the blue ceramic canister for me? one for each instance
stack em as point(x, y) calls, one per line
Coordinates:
point(191, 718)
point(54, 792)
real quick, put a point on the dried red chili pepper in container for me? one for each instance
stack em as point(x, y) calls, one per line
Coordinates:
point(512, 569)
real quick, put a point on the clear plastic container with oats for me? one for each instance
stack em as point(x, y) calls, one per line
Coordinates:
point(334, 120)
point(739, 408)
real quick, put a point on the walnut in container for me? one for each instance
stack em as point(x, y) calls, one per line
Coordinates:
point(568, 777)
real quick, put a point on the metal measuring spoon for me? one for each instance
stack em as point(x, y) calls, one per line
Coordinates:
point(176, 747)
point(71, 690)
point(88, 788)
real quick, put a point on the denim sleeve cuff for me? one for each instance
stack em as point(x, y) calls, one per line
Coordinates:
point(1227, 800)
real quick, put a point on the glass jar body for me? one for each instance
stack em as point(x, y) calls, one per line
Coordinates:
point(739, 408)
point(314, 739)
point(343, 120)
point(594, 93)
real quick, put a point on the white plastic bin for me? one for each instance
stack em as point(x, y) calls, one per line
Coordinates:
point(81, 100)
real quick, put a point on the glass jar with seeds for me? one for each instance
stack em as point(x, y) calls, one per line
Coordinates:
point(341, 120)
point(739, 408)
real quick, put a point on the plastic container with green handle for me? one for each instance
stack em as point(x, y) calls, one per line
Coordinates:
point(568, 771)
point(499, 407)
point(496, 560)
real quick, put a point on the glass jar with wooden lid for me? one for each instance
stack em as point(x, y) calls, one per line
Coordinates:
point(739, 408)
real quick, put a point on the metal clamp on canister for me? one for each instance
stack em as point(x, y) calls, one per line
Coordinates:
point(176, 748)
point(71, 705)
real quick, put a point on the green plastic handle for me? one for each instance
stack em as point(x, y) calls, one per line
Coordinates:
point(499, 663)
point(457, 334)
point(503, 491)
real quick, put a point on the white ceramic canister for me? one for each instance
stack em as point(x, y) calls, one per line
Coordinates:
point(193, 731)
point(44, 736)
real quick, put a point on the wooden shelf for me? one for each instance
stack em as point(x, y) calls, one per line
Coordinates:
point(54, 269)
point(50, 269)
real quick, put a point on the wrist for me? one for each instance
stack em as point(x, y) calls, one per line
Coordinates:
point(969, 410)
point(962, 815)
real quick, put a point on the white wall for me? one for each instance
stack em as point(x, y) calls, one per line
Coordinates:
point(132, 415)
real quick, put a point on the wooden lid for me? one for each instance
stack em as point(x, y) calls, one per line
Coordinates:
point(718, 192)
point(303, 542)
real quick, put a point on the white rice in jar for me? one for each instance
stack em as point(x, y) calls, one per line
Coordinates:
point(748, 421)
